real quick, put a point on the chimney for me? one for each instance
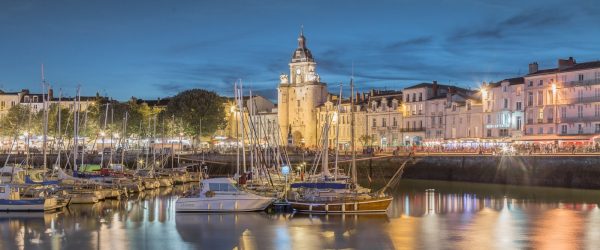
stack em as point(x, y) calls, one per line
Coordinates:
point(565, 63)
point(533, 67)
point(435, 87)
point(50, 94)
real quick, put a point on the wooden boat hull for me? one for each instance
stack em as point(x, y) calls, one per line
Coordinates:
point(165, 182)
point(376, 205)
point(84, 199)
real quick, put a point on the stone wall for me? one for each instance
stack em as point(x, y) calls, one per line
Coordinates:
point(554, 171)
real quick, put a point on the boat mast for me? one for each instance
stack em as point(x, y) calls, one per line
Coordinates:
point(153, 144)
point(251, 124)
point(59, 128)
point(337, 135)
point(103, 134)
point(237, 134)
point(353, 148)
point(123, 138)
point(28, 138)
point(45, 97)
point(85, 119)
point(241, 106)
point(325, 149)
point(75, 130)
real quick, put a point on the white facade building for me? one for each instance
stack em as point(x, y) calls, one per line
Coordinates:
point(562, 104)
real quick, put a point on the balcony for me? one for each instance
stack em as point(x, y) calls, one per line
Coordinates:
point(568, 101)
point(412, 129)
point(580, 83)
point(544, 121)
point(579, 119)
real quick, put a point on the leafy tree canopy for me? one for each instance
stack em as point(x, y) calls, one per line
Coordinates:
point(201, 111)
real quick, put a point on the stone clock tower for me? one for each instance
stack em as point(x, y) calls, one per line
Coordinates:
point(299, 93)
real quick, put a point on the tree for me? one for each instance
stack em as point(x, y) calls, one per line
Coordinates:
point(66, 120)
point(366, 139)
point(201, 111)
point(17, 121)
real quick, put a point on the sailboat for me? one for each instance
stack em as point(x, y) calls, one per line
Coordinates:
point(223, 194)
point(338, 196)
point(10, 200)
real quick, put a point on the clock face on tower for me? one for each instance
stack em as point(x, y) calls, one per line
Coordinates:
point(298, 71)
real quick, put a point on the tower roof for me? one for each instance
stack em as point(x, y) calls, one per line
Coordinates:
point(302, 53)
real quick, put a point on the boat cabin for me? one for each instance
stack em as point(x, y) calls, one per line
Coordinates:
point(219, 185)
point(8, 192)
point(14, 174)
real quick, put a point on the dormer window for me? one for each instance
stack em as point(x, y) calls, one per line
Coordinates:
point(35, 99)
point(26, 99)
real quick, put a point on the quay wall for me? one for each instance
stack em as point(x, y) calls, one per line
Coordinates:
point(552, 171)
point(569, 171)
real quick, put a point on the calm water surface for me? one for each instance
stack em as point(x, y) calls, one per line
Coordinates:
point(452, 215)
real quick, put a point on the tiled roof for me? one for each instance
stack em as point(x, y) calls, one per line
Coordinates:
point(441, 86)
point(576, 67)
point(511, 81)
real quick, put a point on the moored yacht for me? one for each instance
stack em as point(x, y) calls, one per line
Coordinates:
point(222, 195)
point(10, 200)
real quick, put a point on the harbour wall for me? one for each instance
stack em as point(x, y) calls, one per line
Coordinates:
point(569, 171)
point(551, 171)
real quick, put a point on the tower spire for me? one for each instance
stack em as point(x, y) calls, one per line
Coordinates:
point(301, 38)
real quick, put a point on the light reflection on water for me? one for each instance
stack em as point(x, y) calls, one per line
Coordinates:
point(452, 215)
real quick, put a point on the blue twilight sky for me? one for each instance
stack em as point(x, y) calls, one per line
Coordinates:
point(153, 49)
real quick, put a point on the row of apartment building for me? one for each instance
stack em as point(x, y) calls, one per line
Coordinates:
point(558, 105)
point(35, 101)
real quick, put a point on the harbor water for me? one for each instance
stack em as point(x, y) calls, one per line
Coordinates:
point(423, 215)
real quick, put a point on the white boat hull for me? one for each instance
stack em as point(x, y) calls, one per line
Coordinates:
point(241, 203)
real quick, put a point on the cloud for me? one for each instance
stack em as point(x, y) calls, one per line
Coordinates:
point(530, 21)
point(408, 44)
point(170, 88)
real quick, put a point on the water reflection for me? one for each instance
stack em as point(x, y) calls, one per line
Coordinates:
point(424, 214)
